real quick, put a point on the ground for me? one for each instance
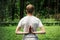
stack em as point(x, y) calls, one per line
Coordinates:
point(8, 33)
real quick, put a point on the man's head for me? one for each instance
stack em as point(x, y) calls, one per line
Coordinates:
point(30, 8)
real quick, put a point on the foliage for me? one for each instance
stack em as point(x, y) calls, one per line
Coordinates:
point(11, 9)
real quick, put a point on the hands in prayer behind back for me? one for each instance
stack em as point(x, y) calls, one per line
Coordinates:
point(30, 29)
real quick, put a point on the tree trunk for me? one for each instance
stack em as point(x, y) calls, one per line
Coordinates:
point(13, 9)
point(21, 8)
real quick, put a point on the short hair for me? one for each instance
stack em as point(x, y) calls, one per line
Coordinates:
point(30, 8)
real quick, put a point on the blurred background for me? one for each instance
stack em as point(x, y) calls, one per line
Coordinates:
point(11, 11)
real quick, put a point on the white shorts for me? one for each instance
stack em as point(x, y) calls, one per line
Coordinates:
point(30, 37)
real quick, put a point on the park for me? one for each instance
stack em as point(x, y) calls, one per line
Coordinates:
point(12, 11)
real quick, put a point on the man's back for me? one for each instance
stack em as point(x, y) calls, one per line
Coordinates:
point(28, 21)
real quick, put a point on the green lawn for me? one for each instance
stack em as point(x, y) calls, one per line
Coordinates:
point(8, 33)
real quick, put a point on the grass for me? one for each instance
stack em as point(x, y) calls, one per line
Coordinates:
point(8, 33)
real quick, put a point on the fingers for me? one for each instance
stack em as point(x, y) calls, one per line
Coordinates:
point(30, 29)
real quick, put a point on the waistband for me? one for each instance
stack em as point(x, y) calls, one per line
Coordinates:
point(30, 36)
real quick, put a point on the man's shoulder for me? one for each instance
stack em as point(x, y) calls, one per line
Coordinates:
point(36, 18)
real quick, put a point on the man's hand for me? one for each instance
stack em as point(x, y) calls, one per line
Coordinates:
point(30, 29)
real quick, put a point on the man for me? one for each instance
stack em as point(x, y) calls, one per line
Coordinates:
point(30, 23)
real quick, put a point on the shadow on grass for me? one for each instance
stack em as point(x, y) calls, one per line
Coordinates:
point(8, 33)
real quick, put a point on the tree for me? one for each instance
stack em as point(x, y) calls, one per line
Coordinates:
point(3, 4)
point(13, 8)
point(21, 8)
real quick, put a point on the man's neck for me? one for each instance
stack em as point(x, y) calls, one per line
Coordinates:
point(29, 14)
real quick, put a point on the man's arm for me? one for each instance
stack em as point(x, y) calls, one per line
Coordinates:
point(42, 31)
point(19, 32)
